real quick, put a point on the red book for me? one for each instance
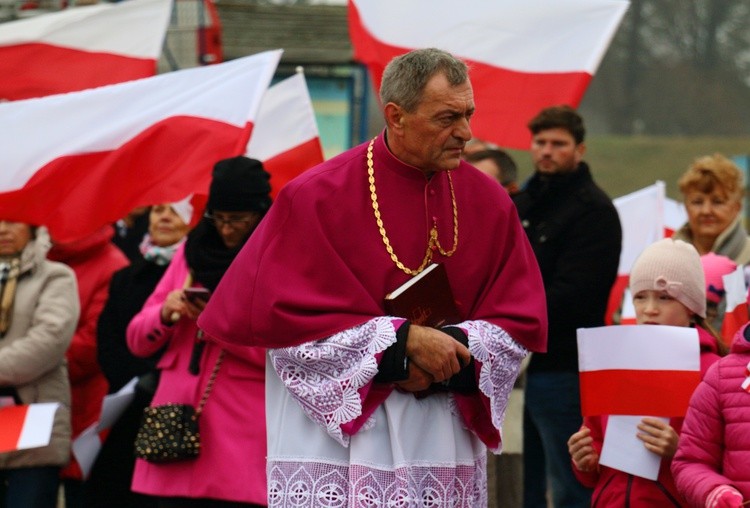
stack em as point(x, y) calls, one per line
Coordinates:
point(426, 299)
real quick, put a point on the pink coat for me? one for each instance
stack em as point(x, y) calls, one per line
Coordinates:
point(231, 465)
point(714, 445)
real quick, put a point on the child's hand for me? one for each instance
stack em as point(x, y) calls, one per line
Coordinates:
point(581, 449)
point(658, 437)
point(724, 496)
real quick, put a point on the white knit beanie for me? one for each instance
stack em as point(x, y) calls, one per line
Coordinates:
point(675, 267)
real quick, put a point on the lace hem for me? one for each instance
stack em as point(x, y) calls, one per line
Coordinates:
point(501, 358)
point(324, 377)
point(326, 485)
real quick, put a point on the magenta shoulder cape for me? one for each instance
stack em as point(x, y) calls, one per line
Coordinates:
point(317, 264)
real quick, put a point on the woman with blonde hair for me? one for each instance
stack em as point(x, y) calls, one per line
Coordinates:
point(712, 189)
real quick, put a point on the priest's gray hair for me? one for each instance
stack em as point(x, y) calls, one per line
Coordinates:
point(405, 76)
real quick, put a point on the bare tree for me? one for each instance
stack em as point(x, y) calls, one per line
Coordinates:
point(678, 67)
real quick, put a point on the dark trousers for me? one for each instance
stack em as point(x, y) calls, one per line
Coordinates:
point(552, 414)
point(29, 487)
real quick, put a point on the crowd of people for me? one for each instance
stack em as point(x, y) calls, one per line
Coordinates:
point(269, 320)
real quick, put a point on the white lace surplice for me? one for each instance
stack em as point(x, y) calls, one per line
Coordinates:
point(411, 452)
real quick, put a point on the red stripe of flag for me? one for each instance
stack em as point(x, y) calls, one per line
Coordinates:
point(64, 70)
point(141, 168)
point(637, 392)
point(287, 165)
point(77, 161)
point(508, 91)
point(12, 419)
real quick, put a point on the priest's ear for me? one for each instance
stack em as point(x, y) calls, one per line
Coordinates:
point(394, 117)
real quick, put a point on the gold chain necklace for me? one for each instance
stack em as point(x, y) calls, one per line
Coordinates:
point(432, 243)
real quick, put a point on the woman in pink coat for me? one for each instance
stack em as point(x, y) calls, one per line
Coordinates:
point(230, 470)
point(712, 464)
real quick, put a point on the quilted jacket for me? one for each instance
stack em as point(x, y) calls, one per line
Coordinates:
point(714, 446)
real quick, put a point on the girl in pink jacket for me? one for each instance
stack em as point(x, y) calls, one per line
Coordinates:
point(712, 464)
point(668, 288)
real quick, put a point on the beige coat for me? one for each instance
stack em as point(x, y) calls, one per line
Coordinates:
point(32, 353)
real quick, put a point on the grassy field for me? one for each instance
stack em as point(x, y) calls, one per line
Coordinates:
point(625, 164)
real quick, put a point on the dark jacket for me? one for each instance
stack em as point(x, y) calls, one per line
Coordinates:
point(128, 290)
point(109, 483)
point(575, 232)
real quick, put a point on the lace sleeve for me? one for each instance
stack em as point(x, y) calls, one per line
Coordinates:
point(501, 358)
point(325, 376)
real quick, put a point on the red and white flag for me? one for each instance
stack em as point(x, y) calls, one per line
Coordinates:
point(646, 216)
point(88, 444)
point(75, 162)
point(81, 48)
point(637, 370)
point(674, 216)
point(524, 56)
point(736, 313)
point(642, 221)
point(27, 426)
point(285, 137)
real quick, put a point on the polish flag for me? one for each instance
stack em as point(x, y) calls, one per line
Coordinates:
point(674, 216)
point(627, 314)
point(286, 137)
point(638, 370)
point(524, 56)
point(642, 220)
point(89, 443)
point(736, 313)
point(26, 426)
point(75, 162)
point(82, 47)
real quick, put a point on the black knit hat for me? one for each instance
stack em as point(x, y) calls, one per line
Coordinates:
point(239, 184)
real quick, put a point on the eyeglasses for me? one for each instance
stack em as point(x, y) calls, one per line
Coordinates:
point(232, 222)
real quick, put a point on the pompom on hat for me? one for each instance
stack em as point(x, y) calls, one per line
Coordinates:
point(239, 184)
point(673, 266)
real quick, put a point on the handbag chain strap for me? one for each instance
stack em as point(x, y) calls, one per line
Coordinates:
point(210, 384)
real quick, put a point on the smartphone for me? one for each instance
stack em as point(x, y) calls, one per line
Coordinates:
point(197, 294)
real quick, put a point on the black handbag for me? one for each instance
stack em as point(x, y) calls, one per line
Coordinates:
point(170, 432)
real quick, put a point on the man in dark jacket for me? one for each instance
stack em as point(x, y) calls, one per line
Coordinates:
point(575, 232)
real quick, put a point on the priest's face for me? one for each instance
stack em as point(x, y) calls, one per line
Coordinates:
point(433, 136)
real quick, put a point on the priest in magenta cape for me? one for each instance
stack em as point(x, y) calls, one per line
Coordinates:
point(310, 285)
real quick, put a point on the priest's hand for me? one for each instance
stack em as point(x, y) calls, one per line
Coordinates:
point(436, 352)
point(419, 379)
